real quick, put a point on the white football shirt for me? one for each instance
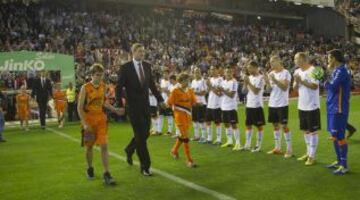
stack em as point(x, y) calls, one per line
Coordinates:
point(278, 97)
point(164, 84)
point(229, 103)
point(214, 100)
point(255, 100)
point(199, 86)
point(309, 99)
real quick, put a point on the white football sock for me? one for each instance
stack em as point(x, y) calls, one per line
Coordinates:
point(259, 138)
point(218, 133)
point(161, 120)
point(209, 132)
point(248, 137)
point(287, 136)
point(277, 137)
point(307, 142)
point(196, 129)
point(159, 125)
point(177, 131)
point(314, 140)
point(153, 124)
point(229, 135)
point(170, 123)
point(237, 136)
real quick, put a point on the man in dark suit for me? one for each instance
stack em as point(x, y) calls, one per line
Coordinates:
point(136, 77)
point(42, 91)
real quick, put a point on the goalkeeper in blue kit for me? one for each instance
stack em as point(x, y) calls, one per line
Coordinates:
point(338, 88)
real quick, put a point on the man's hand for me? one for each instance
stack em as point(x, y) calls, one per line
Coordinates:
point(297, 78)
point(272, 77)
point(163, 105)
point(120, 111)
point(208, 82)
point(87, 129)
point(246, 79)
point(266, 77)
point(199, 104)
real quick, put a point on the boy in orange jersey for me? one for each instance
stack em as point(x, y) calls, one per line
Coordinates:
point(181, 100)
point(60, 104)
point(94, 121)
point(23, 107)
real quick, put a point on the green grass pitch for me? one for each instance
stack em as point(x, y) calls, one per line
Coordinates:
point(41, 165)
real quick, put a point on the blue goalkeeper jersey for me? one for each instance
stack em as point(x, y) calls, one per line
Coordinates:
point(338, 91)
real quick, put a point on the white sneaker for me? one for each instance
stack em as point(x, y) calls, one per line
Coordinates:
point(256, 149)
point(247, 148)
point(237, 147)
point(227, 145)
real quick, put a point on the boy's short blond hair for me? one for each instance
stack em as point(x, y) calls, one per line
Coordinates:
point(96, 68)
point(183, 76)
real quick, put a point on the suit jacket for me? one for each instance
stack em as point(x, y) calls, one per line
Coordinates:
point(42, 93)
point(137, 94)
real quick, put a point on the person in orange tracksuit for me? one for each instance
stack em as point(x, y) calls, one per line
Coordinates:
point(181, 100)
point(60, 104)
point(23, 107)
point(94, 121)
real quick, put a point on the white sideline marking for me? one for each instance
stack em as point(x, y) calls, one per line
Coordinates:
point(174, 178)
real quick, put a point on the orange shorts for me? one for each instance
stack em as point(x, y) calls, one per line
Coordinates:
point(60, 106)
point(23, 114)
point(98, 123)
point(183, 123)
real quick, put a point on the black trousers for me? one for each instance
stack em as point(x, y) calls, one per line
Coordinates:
point(141, 128)
point(42, 112)
point(71, 110)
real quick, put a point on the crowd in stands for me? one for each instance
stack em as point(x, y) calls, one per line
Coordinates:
point(173, 40)
point(350, 9)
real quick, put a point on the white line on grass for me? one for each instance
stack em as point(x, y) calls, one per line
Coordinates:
point(174, 178)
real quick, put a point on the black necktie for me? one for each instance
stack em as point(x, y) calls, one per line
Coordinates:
point(141, 72)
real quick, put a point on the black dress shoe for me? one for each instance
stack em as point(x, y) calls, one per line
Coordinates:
point(129, 159)
point(350, 133)
point(146, 172)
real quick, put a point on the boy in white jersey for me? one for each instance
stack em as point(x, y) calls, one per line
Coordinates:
point(254, 105)
point(198, 110)
point(213, 111)
point(229, 89)
point(156, 128)
point(165, 112)
point(308, 105)
point(279, 81)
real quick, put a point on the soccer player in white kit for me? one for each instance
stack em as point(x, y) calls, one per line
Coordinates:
point(279, 81)
point(165, 112)
point(229, 115)
point(213, 111)
point(308, 105)
point(254, 105)
point(155, 121)
point(199, 87)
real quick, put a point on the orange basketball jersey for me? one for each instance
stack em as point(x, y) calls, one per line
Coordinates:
point(22, 101)
point(94, 97)
point(182, 101)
